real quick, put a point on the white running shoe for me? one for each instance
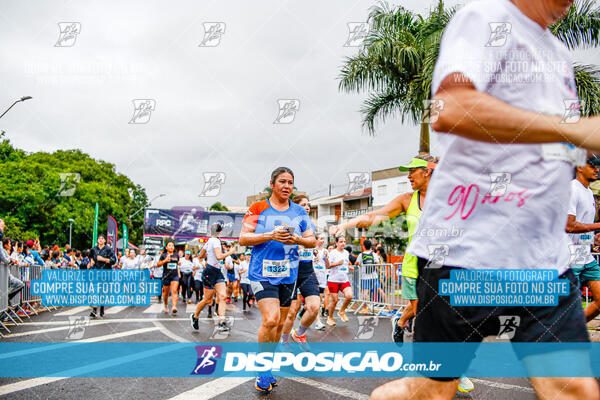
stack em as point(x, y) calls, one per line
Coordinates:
point(465, 385)
point(319, 325)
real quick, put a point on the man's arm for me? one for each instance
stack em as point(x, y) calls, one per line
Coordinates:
point(579, 227)
point(476, 115)
point(219, 255)
point(335, 264)
point(249, 238)
point(38, 260)
point(112, 258)
point(307, 240)
point(162, 262)
point(394, 208)
point(4, 257)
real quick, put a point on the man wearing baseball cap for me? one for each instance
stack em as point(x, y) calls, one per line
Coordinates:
point(420, 170)
point(581, 227)
point(418, 162)
point(36, 256)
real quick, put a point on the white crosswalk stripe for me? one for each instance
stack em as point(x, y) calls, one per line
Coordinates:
point(114, 310)
point(190, 308)
point(340, 391)
point(73, 311)
point(211, 389)
point(30, 383)
point(154, 309)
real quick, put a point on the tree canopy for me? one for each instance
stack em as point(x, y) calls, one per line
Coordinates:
point(218, 207)
point(40, 192)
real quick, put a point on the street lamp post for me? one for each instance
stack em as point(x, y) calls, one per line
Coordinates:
point(71, 220)
point(11, 106)
point(148, 204)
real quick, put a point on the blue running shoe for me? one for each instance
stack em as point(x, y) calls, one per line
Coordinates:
point(273, 380)
point(263, 384)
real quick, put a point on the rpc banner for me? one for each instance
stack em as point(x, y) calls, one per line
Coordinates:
point(191, 223)
point(343, 360)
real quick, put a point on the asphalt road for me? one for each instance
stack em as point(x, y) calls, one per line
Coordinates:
point(150, 324)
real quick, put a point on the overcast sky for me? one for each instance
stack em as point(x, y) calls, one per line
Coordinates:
point(215, 106)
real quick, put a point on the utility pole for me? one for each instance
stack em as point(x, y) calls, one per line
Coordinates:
point(71, 220)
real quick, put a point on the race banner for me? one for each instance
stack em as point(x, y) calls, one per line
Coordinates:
point(111, 233)
point(190, 223)
point(125, 237)
point(153, 245)
point(95, 233)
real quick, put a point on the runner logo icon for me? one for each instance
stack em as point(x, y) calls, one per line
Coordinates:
point(358, 181)
point(219, 333)
point(437, 255)
point(579, 254)
point(142, 110)
point(213, 31)
point(508, 326)
point(287, 111)
point(499, 183)
point(68, 183)
point(77, 325)
point(68, 34)
point(572, 112)
point(431, 110)
point(366, 327)
point(207, 359)
point(213, 181)
point(499, 32)
point(357, 31)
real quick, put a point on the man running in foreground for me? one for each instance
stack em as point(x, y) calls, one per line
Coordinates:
point(500, 121)
point(420, 170)
point(581, 226)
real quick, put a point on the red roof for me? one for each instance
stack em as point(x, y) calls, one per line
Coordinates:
point(359, 194)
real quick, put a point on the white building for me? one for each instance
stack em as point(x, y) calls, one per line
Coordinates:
point(388, 184)
point(332, 210)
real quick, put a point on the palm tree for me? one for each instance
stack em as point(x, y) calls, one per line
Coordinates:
point(395, 64)
point(218, 207)
point(581, 28)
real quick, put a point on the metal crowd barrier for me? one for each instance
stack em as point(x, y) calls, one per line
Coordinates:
point(3, 293)
point(377, 288)
point(8, 312)
point(28, 274)
point(13, 310)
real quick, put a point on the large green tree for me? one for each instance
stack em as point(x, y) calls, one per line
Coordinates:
point(36, 200)
point(395, 64)
point(218, 207)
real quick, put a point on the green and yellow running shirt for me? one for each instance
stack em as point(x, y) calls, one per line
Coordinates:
point(409, 265)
